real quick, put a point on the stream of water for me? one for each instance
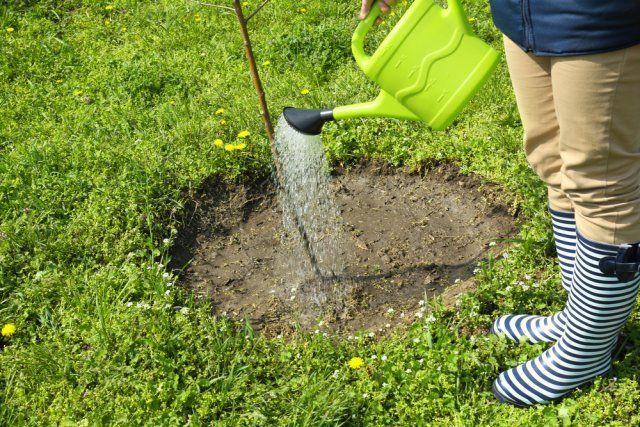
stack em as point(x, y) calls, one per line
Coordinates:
point(311, 217)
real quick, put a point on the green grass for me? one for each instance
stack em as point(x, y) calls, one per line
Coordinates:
point(107, 124)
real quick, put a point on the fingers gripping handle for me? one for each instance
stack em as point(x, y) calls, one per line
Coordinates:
point(357, 42)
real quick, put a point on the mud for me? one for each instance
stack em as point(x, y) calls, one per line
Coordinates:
point(407, 238)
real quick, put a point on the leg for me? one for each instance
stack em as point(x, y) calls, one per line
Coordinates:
point(531, 78)
point(532, 82)
point(597, 101)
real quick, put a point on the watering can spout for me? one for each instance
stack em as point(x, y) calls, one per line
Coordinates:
point(308, 122)
point(385, 105)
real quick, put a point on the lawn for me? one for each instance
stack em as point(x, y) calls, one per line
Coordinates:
point(109, 116)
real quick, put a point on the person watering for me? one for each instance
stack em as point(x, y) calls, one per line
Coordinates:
point(575, 69)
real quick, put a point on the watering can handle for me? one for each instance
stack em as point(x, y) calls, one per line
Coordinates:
point(357, 42)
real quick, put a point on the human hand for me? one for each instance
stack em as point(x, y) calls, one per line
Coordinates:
point(385, 6)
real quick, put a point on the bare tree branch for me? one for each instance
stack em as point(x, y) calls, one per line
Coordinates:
point(252, 14)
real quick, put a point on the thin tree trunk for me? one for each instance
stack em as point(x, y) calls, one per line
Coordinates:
point(269, 128)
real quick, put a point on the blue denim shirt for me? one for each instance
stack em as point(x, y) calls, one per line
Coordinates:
point(568, 27)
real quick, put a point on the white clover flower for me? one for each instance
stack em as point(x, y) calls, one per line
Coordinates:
point(408, 371)
point(371, 334)
point(431, 318)
point(421, 302)
point(166, 241)
point(402, 315)
point(324, 334)
point(365, 395)
point(385, 385)
point(316, 331)
point(165, 275)
point(167, 292)
point(505, 255)
point(335, 373)
point(476, 270)
point(416, 340)
point(184, 311)
point(421, 361)
point(390, 311)
point(492, 243)
point(279, 336)
point(383, 358)
point(388, 325)
point(129, 304)
point(374, 357)
point(527, 277)
point(350, 337)
point(525, 287)
point(320, 323)
point(419, 314)
point(507, 289)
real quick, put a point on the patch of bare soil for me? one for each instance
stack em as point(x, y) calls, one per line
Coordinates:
point(407, 238)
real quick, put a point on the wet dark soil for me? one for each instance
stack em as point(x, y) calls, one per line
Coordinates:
point(407, 238)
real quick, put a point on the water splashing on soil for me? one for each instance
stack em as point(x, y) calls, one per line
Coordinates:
point(405, 238)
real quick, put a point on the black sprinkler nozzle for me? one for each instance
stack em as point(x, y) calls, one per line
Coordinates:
point(309, 122)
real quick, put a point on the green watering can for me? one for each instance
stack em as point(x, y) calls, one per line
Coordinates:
point(428, 68)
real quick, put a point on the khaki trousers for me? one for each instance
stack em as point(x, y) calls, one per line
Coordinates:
point(581, 119)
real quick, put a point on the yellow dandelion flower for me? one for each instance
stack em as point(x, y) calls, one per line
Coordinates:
point(218, 143)
point(198, 18)
point(109, 7)
point(267, 62)
point(302, 10)
point(392, 14)
point(356, 362)
point(59, 81)
point(240, 146)
point(304, 91)
point(8, 330)
point(10, 29)
point(244, 134)
point(107, 22)
point(223, 122)
point(472, 20)
point(245, 4)
point(229, 147)
point(219, 111)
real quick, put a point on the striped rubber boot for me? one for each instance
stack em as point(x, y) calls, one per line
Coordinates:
point(603, 293)
point(546, 328)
